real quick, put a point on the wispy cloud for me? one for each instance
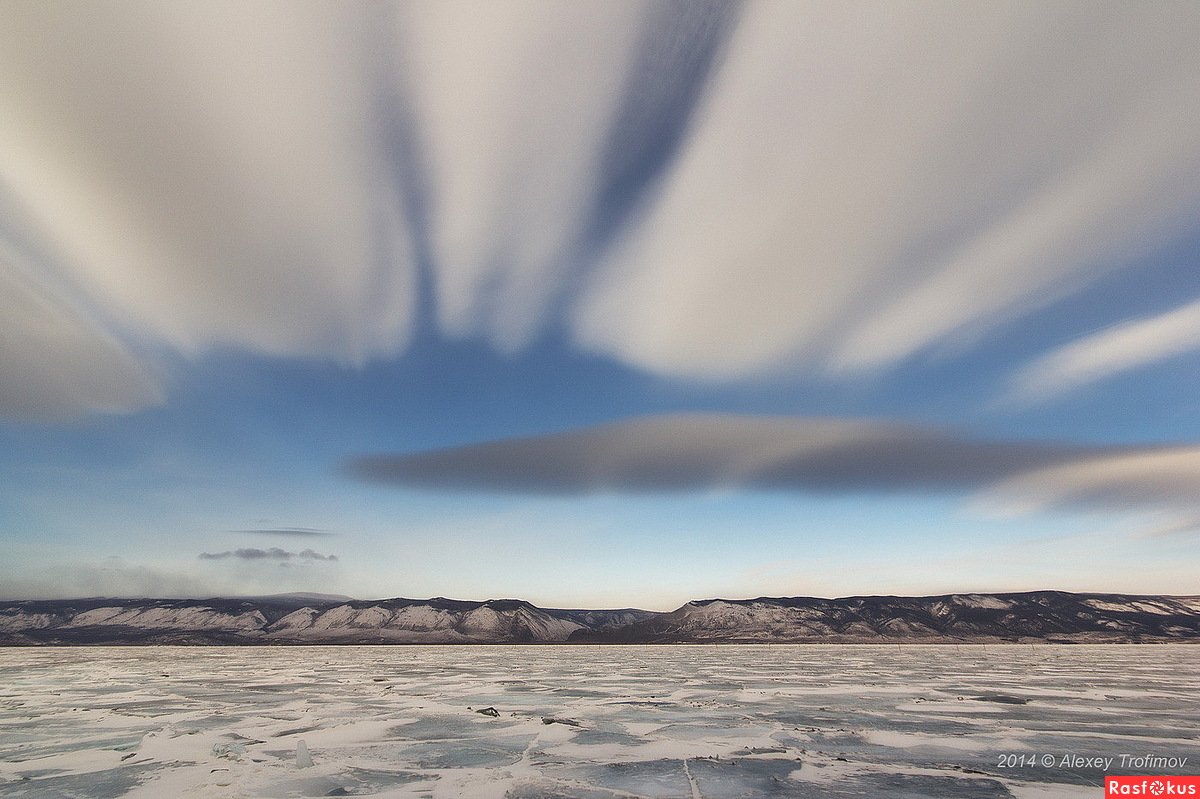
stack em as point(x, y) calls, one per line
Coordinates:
point(704, 452)
point(292, 532)
point(582, 104)
point(1126, 477)
point(1122, 348)
point(702, 189)
point(57, 362)
point(1172, 527)
point(274, 553)
point(107, 576)
point(860, 186)
point(245, 210)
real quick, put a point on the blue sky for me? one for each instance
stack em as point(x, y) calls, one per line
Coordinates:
point(609, 305)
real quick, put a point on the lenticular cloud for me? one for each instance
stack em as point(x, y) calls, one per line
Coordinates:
point(702, 452)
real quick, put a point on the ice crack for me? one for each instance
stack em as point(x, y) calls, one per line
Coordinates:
point(692, 781)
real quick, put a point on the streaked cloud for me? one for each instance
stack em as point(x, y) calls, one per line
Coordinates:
point(712, 190)
point(1172, 527)
point(703, 452)
point(201, 176)
point(274, 553)
point(539, 123)
point(1129, 477)
point(56, 361)
point(1122, 348)
point(290, 532)
point(859, 186)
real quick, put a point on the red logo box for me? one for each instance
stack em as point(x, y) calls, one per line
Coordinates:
point(1165, 786)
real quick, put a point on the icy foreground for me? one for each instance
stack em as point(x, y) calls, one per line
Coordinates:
point(590, 722)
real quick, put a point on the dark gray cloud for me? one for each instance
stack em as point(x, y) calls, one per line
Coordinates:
point(697, 452)
point(274, 553)
point(690, 452)
point(295, 532)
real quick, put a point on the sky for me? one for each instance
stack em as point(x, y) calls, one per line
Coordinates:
point(599, 305)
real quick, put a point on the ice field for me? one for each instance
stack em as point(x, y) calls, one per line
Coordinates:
point(591, 722)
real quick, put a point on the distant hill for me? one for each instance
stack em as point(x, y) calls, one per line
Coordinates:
point(1034, 616)
point(1051, 616)
point(296, 619)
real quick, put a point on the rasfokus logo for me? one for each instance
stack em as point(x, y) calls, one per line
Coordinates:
point(1152, 786)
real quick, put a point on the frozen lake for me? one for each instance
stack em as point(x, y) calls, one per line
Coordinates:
point(669, 721)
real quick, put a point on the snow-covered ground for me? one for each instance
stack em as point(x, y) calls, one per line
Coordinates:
point(591, 722)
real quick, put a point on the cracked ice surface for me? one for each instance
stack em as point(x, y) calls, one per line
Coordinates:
point(588, 722)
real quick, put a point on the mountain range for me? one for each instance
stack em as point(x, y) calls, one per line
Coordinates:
point(1049, 616)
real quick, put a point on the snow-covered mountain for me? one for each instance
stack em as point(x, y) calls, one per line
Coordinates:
point(1038, 615)
point(297, 619)
point(300, 619)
